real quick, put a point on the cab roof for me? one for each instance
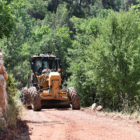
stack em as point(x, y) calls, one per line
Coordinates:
point(48, 55)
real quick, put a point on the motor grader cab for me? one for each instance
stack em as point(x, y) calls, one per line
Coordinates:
point(45, 83)
point(43, 64)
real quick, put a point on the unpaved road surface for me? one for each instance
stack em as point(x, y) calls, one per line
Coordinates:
point(67, 124)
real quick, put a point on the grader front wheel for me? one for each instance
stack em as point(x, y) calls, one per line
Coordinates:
point(34, 99)
point(74, 98)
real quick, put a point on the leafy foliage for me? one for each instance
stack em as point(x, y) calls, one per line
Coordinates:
point(7, 19)
point(97, 41)
point(36, 8)
point(104, 57)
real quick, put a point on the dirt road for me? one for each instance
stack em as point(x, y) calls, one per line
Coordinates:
point(66, 124)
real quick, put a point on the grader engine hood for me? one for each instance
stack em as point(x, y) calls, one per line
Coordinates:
point(54, 83)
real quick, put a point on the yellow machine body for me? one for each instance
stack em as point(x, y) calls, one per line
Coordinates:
point(46, 79)
point(50, 87)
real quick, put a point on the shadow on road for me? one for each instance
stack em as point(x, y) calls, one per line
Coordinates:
point(60, 108)
point(44, 123)
point(18, 132)
point(24, 132)
point(57, 105)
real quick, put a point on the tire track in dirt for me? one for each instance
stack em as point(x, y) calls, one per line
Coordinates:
point(66, 124)
point(69, 125)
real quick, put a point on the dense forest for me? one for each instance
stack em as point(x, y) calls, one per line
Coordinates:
point(97, 41)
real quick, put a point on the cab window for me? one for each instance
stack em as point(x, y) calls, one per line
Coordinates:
point(46, 65)
point(38, 64)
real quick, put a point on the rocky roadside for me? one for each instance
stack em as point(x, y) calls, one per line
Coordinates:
point(99, 111)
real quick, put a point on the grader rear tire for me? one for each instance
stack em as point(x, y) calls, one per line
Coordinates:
point(34, 99)
point(74, 98)
point(26, 100)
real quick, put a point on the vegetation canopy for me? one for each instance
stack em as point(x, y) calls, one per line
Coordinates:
point(97, 41)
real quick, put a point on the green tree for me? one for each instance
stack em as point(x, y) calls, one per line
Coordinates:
point(57, 41)
point(7, 19)
point(104, 60)
point(112, 60)
point(13, 46)
point(37, 8)
point(84, 30)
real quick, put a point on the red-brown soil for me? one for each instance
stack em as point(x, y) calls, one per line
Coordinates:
point(67, 124)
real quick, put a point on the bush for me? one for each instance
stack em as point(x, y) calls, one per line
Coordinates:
point(105, 61)
point(14, 107)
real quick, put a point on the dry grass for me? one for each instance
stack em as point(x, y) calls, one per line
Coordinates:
point(2, 124)
point(14, 110)
point(13, 113)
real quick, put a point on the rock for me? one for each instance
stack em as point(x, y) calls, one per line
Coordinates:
point(3, 94)
point(99, 108)
point(82, 109)
point(94, 106)
point(1, 114)
point(3, 124)
point(1, 80)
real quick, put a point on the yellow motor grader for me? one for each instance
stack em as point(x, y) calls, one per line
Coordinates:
point(45, 84)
